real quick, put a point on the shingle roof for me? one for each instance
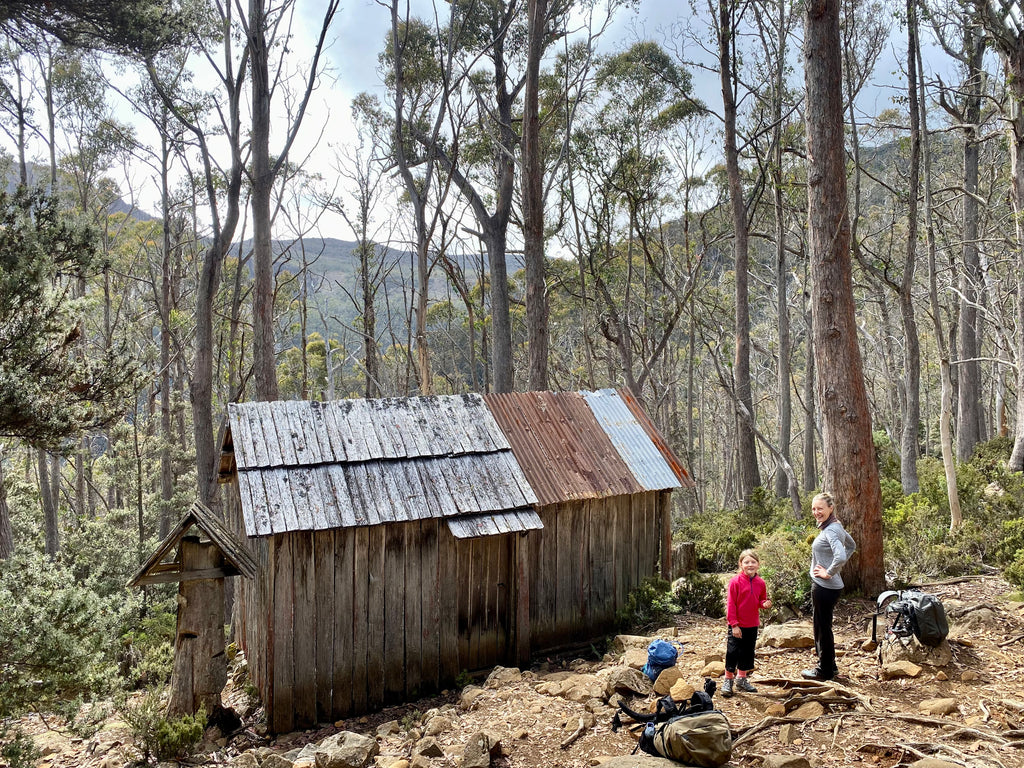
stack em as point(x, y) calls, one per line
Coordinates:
point(343, 463)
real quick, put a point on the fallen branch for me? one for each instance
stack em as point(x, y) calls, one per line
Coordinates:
point(575, 735)
point(1011, 641)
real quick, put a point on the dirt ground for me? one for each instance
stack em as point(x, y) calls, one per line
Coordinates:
point(867, 720)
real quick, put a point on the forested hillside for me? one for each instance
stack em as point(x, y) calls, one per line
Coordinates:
point(792, 231)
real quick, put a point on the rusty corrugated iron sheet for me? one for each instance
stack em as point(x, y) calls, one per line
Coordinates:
point(563, 451)
point(638, 441)
point(313, 466)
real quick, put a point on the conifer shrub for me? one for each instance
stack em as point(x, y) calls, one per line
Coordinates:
point(1014, 572)
point(154, 734)
point(17, 750)
point(702, 593)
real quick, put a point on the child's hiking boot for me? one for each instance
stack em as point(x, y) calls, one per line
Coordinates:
point(727, 688)
point(743, 685)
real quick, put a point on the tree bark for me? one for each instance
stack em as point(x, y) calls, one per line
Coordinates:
point(748, 474)
point(533, 204)
point(200, 664)
point(48, 503)
point(851, 469)
point(6, 533)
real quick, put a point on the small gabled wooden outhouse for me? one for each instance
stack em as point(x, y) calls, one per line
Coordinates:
point(401, 541)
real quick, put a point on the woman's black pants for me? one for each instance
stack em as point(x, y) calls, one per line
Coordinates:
point(824, 600)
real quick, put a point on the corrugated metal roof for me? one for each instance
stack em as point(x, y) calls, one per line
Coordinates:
point(312, 466)
point(633, 441)
point(563, 451)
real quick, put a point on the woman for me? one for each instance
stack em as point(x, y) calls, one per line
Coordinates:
point(831, 549)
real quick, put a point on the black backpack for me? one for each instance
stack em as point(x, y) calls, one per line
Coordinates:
point(913, 613)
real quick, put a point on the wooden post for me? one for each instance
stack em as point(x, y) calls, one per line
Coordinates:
point(200, 666)
point(523, 631)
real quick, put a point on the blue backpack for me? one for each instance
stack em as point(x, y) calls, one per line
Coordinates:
point(661, 654)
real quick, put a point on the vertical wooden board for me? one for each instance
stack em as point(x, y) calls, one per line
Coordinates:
point(412, 557)
point(506, 595)
point(478, 604)
point(488, 580)
point(632, 558)
point(394, 612)
point(547, 582)
point(361, 579)
point(565, 601)
point(375, 626)
point(522, 629)
point(448, 605)
point(430, 603)
point(619, 547)
point(305, 639)
point(281, 719)
point(464, 589)
point(326, 609)
point(346, 619)
point(602, 595)
point(585, 619)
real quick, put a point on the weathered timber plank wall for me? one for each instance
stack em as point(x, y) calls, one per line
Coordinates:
point(344, 621)
point(587, 559)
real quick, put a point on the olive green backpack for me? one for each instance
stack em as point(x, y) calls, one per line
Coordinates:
point(701, 739)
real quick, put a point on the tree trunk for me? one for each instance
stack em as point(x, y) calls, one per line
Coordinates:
point(970, 421)
point(748, 474)
point(200, 664)
point(909, 444)
point(851, 470)
point(533, 204)
point(48, 502)
point(6, 533)
point(810, 424)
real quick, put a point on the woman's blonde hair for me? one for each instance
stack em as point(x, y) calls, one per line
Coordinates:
point(826, 497)
point(748, 553)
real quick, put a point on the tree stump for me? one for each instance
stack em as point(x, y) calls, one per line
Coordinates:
point(200, 665)
point(684, 559)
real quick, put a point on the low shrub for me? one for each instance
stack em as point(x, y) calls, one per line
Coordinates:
point(1014, 572)
point(17, 750)
point(701, 593)
point(649, 605)
point(785, 567)
point(154, 734)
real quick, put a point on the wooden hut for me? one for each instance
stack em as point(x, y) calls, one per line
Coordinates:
point(401, 541)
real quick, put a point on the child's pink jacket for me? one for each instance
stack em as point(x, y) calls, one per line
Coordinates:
point(746, 596)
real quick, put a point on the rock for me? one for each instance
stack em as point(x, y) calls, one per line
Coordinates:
point(787, 733)
point(681, 691)
point(938, 706)
point(625, 679)
point(785, 761)
point(244, 760)
point(900, 669)
point(941, 676)
point(437, 725)
point(622, 643)
point(775, 710)
point(635, 658)
point(808, 711)
point(969, 676)
point(400, 763)
point(639, 761)
point(419, 761)
point(971, 621)
point(477, 751)
point(790, 635)
point(276, 761)
point(428, 747)
point(386, 729)
point(912, 650)
point(501, 676)
point(577, 687)
point(869, 645)
point(346, 750)
point(717, 656)
point(468, 699)
point(713, 669)
point(666, 680)
point(934, 762)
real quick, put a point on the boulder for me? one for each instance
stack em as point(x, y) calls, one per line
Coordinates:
point(635, 657)
point(626, 680)
point(913, 650)
point(785, 761)
point(501, 676)
point(934, 762)
point(791, 635)
point(622, 643)
point(808, 711)
point(713, 669)
point(478, 750)
point(469, 698)
point(897, 669)
point(938, 706)
point(437, 725)
point(428, 747)
point(639, 761)
point(681, 691)
point(346, 750)
point(666, 679)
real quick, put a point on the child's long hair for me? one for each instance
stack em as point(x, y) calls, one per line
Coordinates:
point(747, 553)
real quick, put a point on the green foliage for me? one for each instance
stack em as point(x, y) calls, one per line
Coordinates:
point(147, 649)
point(156, 735)
point(701, 593)
point(17, 750)
point(54, 639)
point(48, 389)
point(649, 605)
point(720, 536)
point(785, 559)
point(1014, 572)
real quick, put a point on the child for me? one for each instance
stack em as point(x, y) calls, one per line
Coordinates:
point(747, 594)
